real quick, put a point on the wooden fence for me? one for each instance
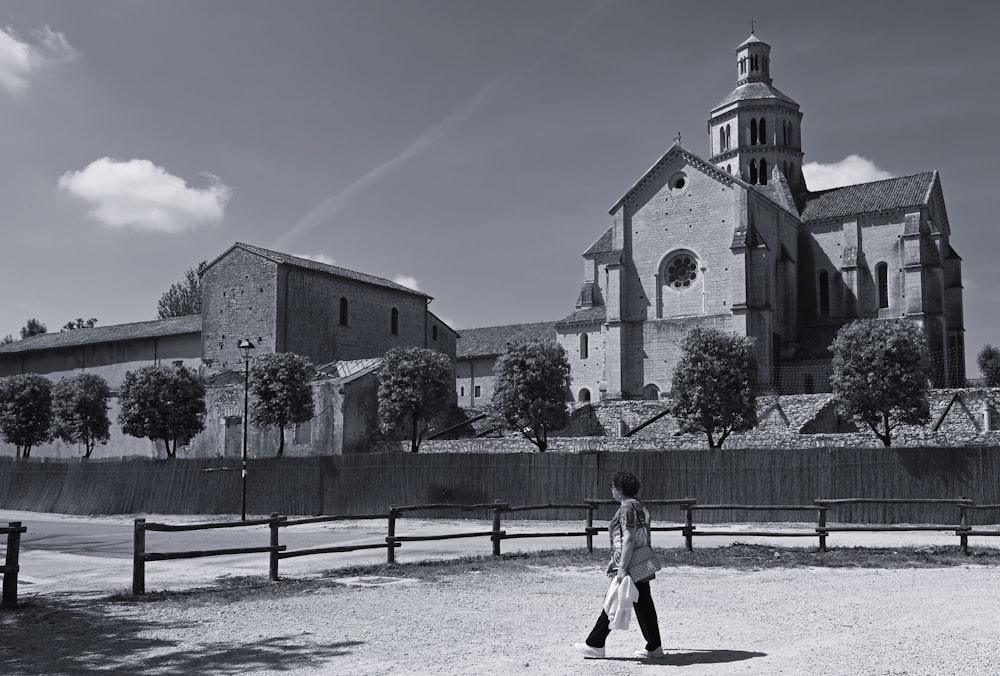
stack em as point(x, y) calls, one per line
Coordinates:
point(11, 565)
point(497, 534)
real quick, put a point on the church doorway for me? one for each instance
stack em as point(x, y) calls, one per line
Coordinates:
point(651, 392)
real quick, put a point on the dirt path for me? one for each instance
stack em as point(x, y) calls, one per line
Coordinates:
point(521, 619)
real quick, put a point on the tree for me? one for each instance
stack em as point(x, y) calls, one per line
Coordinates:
point(159, 402)
point(79, 323)
point(714, 384)
point(279, 383)
point(25, 411)
point(7, 340)
point(880, 374)
point(33, 328)
point(414, 385)
point(989, 365)
point(184, 297)
point(532, 380)
point(80, 411)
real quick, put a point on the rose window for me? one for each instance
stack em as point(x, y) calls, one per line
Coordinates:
point(682, 270)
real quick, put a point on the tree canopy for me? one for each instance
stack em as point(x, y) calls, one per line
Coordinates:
point(714, 385)
point(989, 365)
point(279, 383)
point(163, 403)
point(25, 411)
point(182, 298)
point(33, 328)
point(80, 411)
point(414, 385)
point(79, 323)
point(531, 387)
point(880, 374)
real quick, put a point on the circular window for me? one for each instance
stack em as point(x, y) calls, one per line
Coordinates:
point(682, 270)
point(677, 181)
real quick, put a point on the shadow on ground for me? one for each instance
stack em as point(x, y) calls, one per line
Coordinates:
point(68, 636)
point(685, 659)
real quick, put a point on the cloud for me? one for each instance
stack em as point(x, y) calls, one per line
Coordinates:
point(408, 282)
point(319, 258)
point(848, 171)
point(138, 194)
point(20, 60)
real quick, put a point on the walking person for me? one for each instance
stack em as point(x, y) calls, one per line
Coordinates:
point(631, 555)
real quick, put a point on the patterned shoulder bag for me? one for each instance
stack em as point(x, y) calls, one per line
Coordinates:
point(645, 561)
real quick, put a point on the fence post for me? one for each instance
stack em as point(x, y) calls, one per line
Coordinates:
point(688, 528)
point(139, 558)
point(963, 527)
point(590, 525)
point(275, 524)
point(496, 526)
point(391, 536)
point(821, 528)
point(11, 566)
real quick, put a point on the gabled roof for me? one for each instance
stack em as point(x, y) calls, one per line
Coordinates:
point(602, 245)
point(115, 333)
point(307, 264)
point(691, 159)
point(865, 198)
point(588, 315)
point(442, 322)
point(489, 341)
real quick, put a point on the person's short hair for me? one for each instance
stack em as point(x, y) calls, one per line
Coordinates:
point(626, 482)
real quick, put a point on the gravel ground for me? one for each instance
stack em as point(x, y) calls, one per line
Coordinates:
point(520, 617)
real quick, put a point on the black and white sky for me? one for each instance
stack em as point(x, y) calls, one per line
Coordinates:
point(468, 148)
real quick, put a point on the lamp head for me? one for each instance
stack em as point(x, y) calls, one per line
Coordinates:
point(245, 347)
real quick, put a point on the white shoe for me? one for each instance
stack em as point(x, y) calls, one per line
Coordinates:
point(650, 654)
point(590, 651)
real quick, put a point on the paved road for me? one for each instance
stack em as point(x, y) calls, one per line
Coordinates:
point(93, 555)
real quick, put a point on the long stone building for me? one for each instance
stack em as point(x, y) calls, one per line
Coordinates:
point(737, 241)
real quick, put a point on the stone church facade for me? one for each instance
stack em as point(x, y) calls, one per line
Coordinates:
point(737, 242)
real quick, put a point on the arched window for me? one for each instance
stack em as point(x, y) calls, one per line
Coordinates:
point(763, 131)
point(753, 171)
point(824, 293)
point(784, 132)
point(651, 392)
point(462, 393)
point(728, 137)
point(434, 332)
point(343, 312)
point(882, 279)
point(753, 131)
point(394, 321)
point(784, 168)
point(722, 140)
point(763, 172)
point(679, 271)
point(584, 395)
point(729, 168)
point(583, 345)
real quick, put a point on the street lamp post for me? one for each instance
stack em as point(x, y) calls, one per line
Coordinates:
point(246, 347)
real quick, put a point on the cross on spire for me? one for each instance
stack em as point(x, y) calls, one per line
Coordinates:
point(677, 139)
point(752, 20)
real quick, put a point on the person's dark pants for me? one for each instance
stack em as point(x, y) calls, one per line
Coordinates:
point(645, 613)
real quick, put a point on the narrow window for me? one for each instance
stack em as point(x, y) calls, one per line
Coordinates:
point(753, 171)
point(583, 345)
point(824, 293)
point(434, 332)
point(728, 137)
point(784, 132)
point(763, 131)
point(477, 392)
point(784, 168)
point(394, 321)
point(343, 312)
point(753, 131)
point(462, 393)
point(882, 277)
point(722, 140)
point(763, 172)
point(729, 168)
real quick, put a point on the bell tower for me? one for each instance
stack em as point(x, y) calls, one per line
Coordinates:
point(757, 128)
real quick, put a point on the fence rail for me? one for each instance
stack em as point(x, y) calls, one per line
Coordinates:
point(11, 566)
point(497, 534)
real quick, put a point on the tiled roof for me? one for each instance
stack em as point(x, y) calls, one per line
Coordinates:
point(753, 91)
point(490, 340)
point(588, 315)
point(602, 245)
point(114, 333)
point(308, 264)
point(864, 198)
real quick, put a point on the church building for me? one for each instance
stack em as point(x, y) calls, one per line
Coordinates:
point(736, 241)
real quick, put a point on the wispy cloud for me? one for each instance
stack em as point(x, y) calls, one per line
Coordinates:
point(319, 258)
point(408, 282)
point(140, 195)
point(20, 59)
point(848, 171)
